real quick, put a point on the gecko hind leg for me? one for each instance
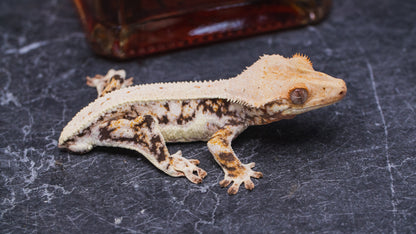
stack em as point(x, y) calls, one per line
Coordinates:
point(235, 171)
point(142, 134)
point(113, 80)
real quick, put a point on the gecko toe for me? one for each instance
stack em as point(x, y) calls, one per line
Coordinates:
point(225, 183)
point(257, 174)
point(234, 188)
point(194, 161)
point(248, 184)
point(193, 178)
point(201, 173)
point(90, 81)
point(128, 81)
point(177, 154)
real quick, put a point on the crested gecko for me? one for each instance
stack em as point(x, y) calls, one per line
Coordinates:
point(144, 117)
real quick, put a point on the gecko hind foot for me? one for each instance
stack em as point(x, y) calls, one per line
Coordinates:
point(242, 175)
point(113, 80)
point(98, 80)
point(186, 167)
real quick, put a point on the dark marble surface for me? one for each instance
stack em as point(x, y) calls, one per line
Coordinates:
point(350, 167)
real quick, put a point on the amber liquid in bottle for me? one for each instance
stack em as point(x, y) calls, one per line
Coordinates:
point(131, 28)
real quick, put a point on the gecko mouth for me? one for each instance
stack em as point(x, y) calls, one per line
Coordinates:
point(300, 110)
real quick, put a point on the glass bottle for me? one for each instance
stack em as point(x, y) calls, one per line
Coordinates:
point(125, 29)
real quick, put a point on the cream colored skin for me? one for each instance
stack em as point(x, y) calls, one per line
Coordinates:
point(144, 117)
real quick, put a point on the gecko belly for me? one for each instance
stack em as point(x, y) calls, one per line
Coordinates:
point(199, 129)
point(191, 120)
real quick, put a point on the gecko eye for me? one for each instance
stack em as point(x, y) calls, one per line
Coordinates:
point(298, 96)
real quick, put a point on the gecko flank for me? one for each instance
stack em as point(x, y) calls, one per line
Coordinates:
point(145, 117)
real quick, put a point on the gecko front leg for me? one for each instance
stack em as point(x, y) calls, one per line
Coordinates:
point(235, 171)
point(113, 80)
point(143, 135)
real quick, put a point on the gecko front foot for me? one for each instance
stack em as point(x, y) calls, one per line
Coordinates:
point(186, 167)
point(240, 175)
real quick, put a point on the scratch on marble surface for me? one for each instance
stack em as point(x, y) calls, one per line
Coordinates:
point(7, 97)
point(203, 213)
point(361, 150)
point(339, 147)
point(72, 221)
point(27, 48)
point(38, 44)
point(89, 160)
point(406, 160)
point(409, 40)
point(292, 191)
point(212, 221)
point(386, 145)
point(10, 203)
point(112, 223)
point(409, 106)
point(328, 51)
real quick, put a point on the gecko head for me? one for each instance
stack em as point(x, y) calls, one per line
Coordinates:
point(295, 84)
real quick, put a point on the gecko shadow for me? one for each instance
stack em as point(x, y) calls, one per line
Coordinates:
point(287, 133)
